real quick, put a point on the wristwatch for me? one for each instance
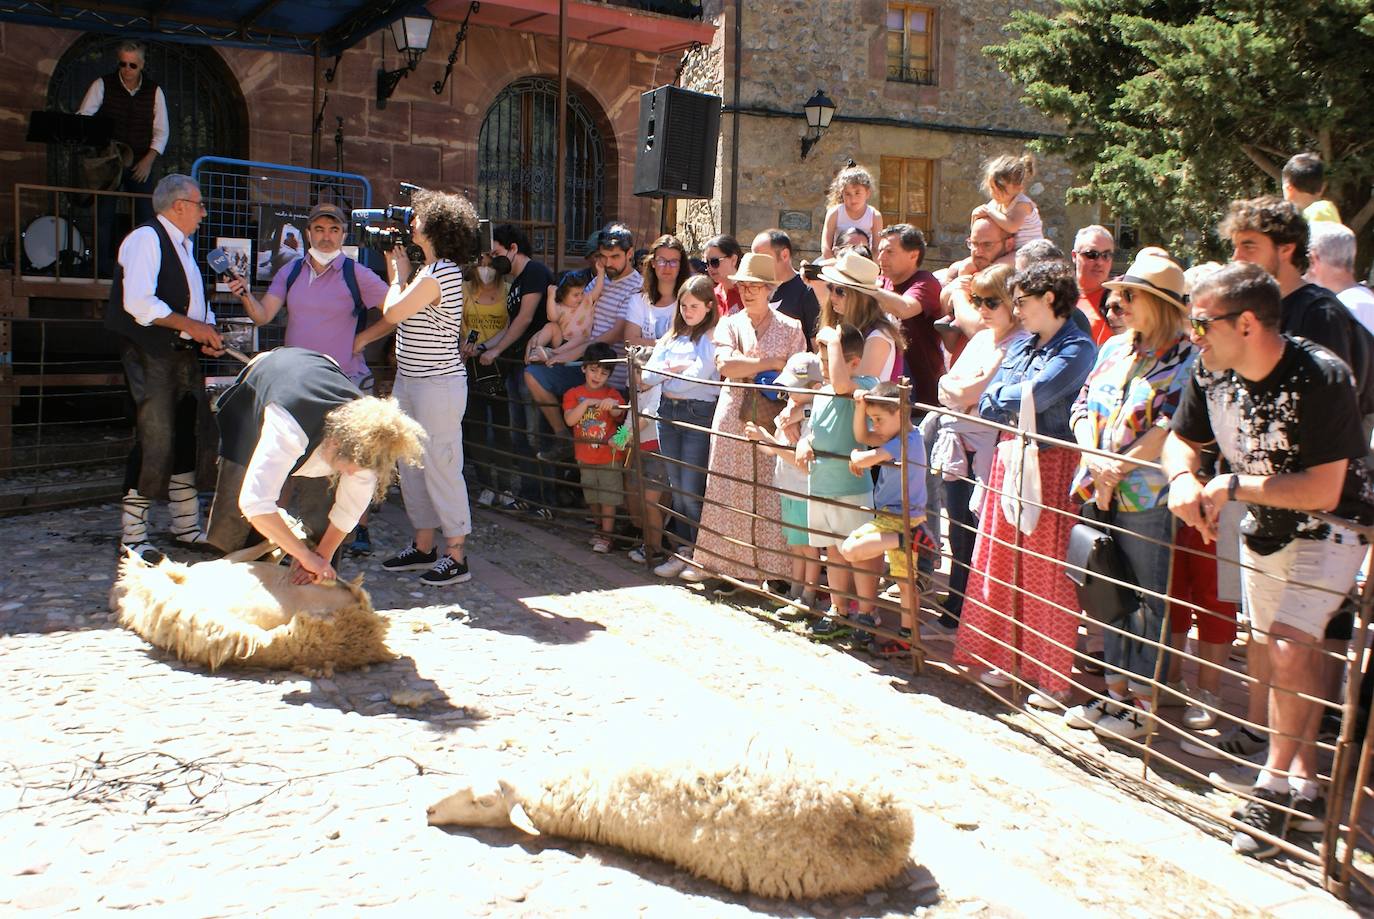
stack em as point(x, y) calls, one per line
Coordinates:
point(482, 348)
point(1231, 487)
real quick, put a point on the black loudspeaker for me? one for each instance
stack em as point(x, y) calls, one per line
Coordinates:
point(678, 130)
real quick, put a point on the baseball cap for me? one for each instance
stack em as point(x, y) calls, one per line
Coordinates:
point(325, 209)
point(803, 370)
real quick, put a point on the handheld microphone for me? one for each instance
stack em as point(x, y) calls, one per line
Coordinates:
point(221, 264)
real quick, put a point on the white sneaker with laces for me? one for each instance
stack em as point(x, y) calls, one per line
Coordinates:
point(1199, 718)
point(1086, 716)
point(695, 574)
point(672, 568)
point(1128, 722)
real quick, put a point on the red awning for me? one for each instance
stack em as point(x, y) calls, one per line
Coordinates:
point(621, 26)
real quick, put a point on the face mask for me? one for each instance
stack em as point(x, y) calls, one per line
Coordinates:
point(486, 275)
point(324, 258)
point(501, 264)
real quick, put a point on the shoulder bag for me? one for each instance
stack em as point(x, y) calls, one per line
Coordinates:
point(1094, 556)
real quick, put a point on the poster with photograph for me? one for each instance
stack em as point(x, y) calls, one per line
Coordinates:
point(281, 239)
point(240, 252)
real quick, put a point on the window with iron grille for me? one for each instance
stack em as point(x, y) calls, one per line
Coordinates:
point(517, 149)
point(905, 186)
point(206, 115)
point(910, 43)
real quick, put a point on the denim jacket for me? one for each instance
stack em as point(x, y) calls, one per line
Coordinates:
point(1056, 368)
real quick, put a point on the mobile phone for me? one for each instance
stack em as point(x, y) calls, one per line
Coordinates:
point(811, 272)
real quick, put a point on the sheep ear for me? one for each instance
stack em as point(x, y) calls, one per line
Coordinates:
point(521, 820)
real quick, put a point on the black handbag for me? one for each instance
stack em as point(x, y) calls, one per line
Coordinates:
point(1094, 555)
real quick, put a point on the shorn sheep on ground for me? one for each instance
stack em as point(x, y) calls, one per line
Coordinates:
point(777, 815)
point(248, 614)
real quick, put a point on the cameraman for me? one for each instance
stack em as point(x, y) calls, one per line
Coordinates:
point(431, 382)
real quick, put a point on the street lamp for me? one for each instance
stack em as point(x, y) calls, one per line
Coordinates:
point(819, 111)
point(411, 36)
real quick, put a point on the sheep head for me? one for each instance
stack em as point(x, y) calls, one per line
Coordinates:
point(483, 803)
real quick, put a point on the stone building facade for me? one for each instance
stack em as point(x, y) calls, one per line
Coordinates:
point(936, 126)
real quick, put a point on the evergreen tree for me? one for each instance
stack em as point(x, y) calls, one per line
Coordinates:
point(1172, 108)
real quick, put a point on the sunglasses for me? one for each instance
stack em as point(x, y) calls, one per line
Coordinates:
point(1115, 308)
point(1093, 255)
point(129, 66)
point(614, 239)
point(836, 290)
point(715, 262)
point(1199, 324)
point(986, 303)
point(1017, 301)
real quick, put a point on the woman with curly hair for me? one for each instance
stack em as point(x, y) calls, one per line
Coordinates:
point(431, 381)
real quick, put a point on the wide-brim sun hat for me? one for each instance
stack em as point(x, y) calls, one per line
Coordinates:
point(855, 272)
point(757, 268)
point(1155, 274)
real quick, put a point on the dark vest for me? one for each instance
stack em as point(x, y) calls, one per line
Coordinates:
point(306, 384)
point(130, 116)
point(171, 289)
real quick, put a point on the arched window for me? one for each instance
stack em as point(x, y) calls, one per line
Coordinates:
point(206, 114)
point(516, 152)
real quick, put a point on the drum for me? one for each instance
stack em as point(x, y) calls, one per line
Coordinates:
point(49, 238)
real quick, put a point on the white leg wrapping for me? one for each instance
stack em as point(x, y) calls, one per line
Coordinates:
point(184, 503)
point(135, 518)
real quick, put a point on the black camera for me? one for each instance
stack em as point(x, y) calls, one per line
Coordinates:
point(382, 229)
point(810, 271)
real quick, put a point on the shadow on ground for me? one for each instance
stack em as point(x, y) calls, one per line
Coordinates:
point(916, 887)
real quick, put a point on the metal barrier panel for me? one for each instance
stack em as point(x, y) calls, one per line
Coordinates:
point(257, 212)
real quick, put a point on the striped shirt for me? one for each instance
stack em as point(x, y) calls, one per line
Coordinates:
point(611, 307)
point(427, 343)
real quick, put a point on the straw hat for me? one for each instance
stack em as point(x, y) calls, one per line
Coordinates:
point(1156, 275)
point(855, 272)
point(756, 267)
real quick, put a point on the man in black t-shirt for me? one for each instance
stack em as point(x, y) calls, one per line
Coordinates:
point(1284, 414)
point(792, 297)
point(526, 315)
point(1271, 233)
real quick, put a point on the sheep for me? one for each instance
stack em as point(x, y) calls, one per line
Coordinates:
point(248, 614)
point(766, 815)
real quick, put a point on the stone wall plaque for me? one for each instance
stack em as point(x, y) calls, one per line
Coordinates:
point(794, 220)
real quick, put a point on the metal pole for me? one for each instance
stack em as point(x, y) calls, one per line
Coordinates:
point(318, 125)
point(910, 594)
point(561, 167)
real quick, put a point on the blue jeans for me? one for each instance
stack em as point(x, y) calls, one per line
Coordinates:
point(963, 532)
point(524, 440)
point(1150, 563)
point(687, 453)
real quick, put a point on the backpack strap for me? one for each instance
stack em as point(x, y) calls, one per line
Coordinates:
point(350, 281)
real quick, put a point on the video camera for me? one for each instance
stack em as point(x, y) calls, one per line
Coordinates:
point(382, 229)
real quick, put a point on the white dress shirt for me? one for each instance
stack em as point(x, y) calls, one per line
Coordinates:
point(140, 255)
point(282, 443)
point(95, 97)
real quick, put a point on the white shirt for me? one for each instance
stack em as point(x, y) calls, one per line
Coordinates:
point(1360, 301)
point(140, 255)
point(282, 443)
point(95, 97)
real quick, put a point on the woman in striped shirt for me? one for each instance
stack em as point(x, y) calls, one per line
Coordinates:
point(431, 382)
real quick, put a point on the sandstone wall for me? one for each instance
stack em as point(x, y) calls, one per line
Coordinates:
point(792, 47)
point(419, 137)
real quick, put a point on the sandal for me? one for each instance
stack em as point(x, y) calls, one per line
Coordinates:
point(601, 545)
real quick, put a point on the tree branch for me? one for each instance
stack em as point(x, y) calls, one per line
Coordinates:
point(1265, 164)
point(1365, 214)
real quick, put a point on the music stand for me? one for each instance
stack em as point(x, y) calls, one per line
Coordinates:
point(68, 129)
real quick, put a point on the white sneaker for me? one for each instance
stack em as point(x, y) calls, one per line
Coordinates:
point(995, 678)
point(487, 498)
point(1199, 718)
point(1128, 722)
point(694, 575)
point(673, 567)
point(1235, 740)
point(1086, 716)
point(1048, 701)
point(505, 500)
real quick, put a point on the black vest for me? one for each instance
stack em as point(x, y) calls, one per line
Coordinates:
point(130, 116)
point(306, 384)
point(171, 289)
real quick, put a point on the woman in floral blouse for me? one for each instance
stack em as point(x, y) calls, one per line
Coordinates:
point(1124, 409)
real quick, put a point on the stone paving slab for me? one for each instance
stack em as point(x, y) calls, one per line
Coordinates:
point(130, 781)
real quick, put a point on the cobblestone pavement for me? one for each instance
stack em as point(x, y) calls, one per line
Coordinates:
point(133, 782)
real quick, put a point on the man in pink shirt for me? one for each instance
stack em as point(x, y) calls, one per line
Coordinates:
point(323, 314)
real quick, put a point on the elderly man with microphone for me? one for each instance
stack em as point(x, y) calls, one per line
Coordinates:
point(157, 308)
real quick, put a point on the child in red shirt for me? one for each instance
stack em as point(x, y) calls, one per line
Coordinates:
point(593, 412)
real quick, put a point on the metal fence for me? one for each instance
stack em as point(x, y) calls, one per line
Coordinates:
point(502, 457)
